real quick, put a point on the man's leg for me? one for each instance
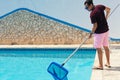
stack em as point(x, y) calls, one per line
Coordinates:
point(107, 52)
point(98, 40)
point(100, 56)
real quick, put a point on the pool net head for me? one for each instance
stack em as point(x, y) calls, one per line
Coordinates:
point(57, 71)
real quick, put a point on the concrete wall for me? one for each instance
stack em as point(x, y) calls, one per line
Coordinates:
point(24, 27)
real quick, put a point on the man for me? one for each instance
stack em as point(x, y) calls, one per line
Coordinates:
point(100, 30)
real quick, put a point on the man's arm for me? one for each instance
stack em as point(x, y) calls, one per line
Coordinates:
point(93, 29)
point(107, 10)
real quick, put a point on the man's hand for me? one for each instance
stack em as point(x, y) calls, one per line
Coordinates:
point(90, 36)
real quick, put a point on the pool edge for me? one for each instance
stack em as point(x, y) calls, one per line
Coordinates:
point(45, 46)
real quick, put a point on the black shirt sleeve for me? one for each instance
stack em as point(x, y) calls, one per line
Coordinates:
point(102, 7)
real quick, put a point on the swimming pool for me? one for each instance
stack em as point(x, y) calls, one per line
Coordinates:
point(32, 63)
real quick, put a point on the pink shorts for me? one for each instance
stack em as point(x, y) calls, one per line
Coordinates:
point(101, 40)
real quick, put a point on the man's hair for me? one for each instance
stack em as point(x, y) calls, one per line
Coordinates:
point(89, 2)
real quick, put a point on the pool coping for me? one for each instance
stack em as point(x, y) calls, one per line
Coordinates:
point(45, 46)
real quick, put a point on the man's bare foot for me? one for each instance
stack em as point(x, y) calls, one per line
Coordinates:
point(98, 68)
point(107, 65)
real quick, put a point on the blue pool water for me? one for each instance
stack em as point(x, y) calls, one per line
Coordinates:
point(32, 64)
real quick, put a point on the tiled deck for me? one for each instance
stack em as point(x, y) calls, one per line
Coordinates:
point(112, 73)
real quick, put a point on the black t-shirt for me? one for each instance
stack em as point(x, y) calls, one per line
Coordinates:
point(97, 15)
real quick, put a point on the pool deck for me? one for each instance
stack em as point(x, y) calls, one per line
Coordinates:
point(112, 73)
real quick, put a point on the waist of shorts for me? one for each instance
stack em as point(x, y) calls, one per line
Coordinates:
point(101, 32)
